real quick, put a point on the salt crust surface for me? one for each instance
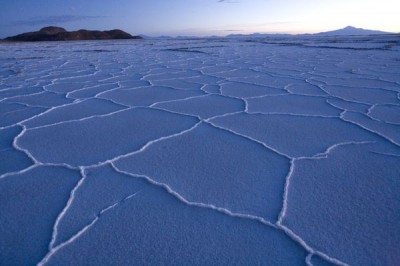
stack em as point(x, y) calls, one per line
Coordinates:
point(209, 151)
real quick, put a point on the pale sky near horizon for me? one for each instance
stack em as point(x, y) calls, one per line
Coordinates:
point(199, 17)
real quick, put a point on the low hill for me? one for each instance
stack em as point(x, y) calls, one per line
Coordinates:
point(60, 34)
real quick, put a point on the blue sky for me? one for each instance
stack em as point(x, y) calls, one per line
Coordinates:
point(198, 17)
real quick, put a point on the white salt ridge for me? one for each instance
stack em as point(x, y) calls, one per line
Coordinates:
point(109, 141)
point(73, 112)
point(146, 96)
point(300, 104)
point(292, 104)
point(203, 106)
point(385, 113)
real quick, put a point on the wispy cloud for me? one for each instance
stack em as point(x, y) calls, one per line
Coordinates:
point(228, 1)
point(35, 21)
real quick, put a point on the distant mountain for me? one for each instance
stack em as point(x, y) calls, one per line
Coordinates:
point(155, 37)
point(349, 30)
point(258, 35)
point(60, 34)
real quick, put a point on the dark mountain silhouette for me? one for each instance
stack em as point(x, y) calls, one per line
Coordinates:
point(60, 34)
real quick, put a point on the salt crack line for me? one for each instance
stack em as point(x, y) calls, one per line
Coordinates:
point(308, 260)
point(82, 119)
point(248, 138)
point(300, 241)
point(387, 154)
point(20, 171)
point(66, 208)
point(195, 204)
point(282, 214)
point(368, 129)
point(144, 147)
point(175, 112)
point(271, 95)
point(179, 100)
point(325, 154)
point(208, 120)
point(347, 101)
point(318, 156)
point(49, 110)
point(18, 148)
point(293, 114)
point(78, 77)
point(286, 192)
point(228, 212)
point(196, 116)
point(68, 96)
point(54, 250)
point(18, 96)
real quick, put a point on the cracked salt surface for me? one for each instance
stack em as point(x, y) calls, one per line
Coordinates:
point(242, 152)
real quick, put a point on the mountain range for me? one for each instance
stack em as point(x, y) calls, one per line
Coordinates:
point(347, 31)
point(53, 33)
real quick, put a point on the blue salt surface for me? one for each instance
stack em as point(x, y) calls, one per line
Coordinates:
point(91, 91)
point(101, 187)
point(178, 84)
point(237, 73)
point(244, 90)
point(304, 88)
point(7, 136)
point(74, 111)
point(88, 78)
point(349, 105)
point(10, 92)
point(18, 115)
point(153, 227)
point(204, 106)
point(10, 107)
point(348, 199)
point(13, 160)
point(293, 157)
point(266, 80)
point(173, 75)
point(45, 99)
point(211, 89)
point(145, 96)
point(130, 84)
point(216, 167)
point(386, 113)
point(204, 79)
point(390, 132)
point(292, 104)
point(364, 83)
point(363, 95)
point(300, 132)
point(98, 139)
point(318, 261)
point(30, 203)
point(65, 87)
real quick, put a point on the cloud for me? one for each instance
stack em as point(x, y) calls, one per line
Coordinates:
point(228, 1)
point(35, 21)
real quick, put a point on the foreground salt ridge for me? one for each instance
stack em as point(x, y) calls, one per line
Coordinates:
point(193, 76)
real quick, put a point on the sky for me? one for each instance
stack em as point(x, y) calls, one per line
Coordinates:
point(199, 17)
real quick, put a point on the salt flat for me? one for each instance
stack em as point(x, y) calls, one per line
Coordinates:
point(276, 151)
